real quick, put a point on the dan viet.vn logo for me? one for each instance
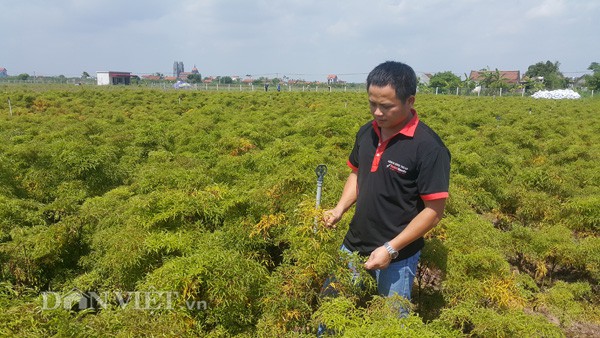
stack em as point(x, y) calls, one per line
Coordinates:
point(77, 300)
point(399, 168)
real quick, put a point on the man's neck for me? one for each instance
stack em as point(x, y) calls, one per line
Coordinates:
point(388, 133)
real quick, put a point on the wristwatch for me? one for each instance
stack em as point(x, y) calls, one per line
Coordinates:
point(393, 253)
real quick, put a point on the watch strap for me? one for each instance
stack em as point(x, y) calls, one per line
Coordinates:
point(393, 253)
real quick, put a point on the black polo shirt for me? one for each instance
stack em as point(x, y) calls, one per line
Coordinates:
point(394, 178)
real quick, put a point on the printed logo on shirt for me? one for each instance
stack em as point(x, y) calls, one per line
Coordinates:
point(399, 168)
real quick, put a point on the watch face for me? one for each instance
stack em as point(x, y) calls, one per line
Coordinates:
point(393, 253)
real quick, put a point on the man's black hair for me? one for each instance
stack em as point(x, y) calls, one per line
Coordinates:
point(396, 74)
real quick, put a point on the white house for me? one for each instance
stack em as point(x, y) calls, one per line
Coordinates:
point(113, 78)
point(424, 78)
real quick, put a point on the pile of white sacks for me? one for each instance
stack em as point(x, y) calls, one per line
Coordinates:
point(556, 94)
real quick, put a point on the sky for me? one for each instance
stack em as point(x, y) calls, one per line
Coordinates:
point(300, 39)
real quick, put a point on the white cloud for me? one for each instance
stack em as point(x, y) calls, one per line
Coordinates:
point(547, 9)
point(295, 36)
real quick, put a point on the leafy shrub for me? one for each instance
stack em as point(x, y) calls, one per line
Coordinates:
point(228, 282)
point(212, 195)
point(565, 301)
point(582, 213)
point(379, 319)
point(476, 321)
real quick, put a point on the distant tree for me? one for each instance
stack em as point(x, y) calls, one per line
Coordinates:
point(261, 81)
point(594, 67)
point(444, 80)
point(493, 79)
point(468, 82)
point(23, 76)
point(194, 78)
point(553, 78)
point(226, 80)
point(85, 75)
point(593, 81)
point(532, 84)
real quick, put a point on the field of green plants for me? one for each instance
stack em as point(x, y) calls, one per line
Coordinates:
point(210, 197)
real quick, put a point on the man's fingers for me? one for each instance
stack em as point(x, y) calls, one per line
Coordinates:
point(329, 219)
point(369, 263)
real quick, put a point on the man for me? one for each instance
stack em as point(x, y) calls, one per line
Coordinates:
point(399, 182)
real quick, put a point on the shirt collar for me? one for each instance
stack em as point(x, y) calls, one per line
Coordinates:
point(407, 130)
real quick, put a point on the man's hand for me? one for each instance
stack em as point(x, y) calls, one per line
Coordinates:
point(379, 259)
point(331, 217)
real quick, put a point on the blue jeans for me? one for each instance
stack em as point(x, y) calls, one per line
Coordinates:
point(397, 278)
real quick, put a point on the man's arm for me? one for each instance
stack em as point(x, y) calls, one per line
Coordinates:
point(426, 220)
point(349, 195)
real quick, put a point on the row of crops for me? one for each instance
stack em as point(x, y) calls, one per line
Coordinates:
point(209, 197)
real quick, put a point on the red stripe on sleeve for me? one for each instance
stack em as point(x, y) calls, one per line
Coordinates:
point(435, 196)
point(351, 166)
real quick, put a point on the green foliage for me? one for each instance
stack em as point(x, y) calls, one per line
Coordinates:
point(15, 213)
point(211, 195)
point(553, 78)
point(444, 80)
point(225, 79)
point(295, 285)
point(230, 284)
point(480, 274)
point(34, 255)
point(195, 78)
point(493, 79)
point(588, 250)
point(541, 252)
point(569, 301)
point(378, 319)
point(593, 81)
point(476, 321)
point(25, 319)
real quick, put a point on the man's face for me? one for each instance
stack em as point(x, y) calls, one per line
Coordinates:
point(389, 112)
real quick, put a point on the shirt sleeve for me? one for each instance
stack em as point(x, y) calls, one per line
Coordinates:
point(434, 175)
point(353, 158)
point(351, 166)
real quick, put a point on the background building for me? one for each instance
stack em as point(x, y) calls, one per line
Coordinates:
point(508, 76)
point(177, 68)
point(113, 78)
